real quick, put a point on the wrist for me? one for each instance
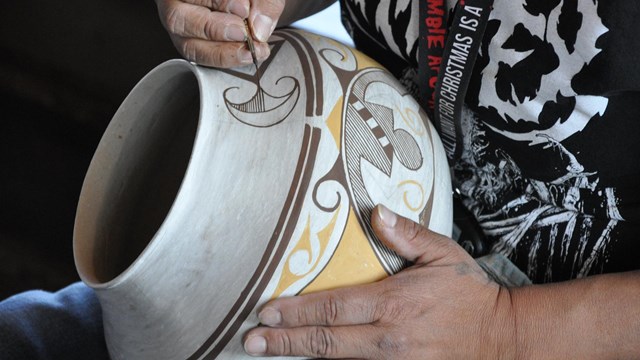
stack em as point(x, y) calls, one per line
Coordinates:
point(550, 322)
point(591, 318)
point(525, 335)
point(503, 328)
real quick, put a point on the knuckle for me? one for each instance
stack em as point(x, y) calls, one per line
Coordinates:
point(413, 232)
point(301, 315)
point(174, 20)
point(447, 247)
point(328, 310)
point(217, 58)
point(212, 29)
point(324, 312)
point(281, 344)
point(451, 249)
point(321, 342)
point(189, 51)
point(389, 308)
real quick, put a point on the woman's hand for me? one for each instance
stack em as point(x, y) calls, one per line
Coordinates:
point(212, 32)
point(442, 307)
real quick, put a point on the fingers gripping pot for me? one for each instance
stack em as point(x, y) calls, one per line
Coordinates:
point(213, 191)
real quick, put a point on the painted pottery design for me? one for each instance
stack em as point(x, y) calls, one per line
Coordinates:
point(213, 191)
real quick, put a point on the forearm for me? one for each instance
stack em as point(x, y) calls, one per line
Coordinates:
point(591, 318)
point(297, 9)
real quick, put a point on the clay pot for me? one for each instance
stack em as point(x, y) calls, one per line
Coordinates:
point(213, 191)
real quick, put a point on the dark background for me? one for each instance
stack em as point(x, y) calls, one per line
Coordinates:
point(65, 67)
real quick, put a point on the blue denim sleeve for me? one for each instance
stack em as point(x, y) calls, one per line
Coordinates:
point(63, 325)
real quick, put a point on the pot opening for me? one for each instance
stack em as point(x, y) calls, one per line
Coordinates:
point(136, 173)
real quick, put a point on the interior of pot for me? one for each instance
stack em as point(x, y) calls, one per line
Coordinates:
point(136, 173)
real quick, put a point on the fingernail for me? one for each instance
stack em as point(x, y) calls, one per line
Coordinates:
point(235, 33)
point(270, 317)
point(244, 56)
point(263, 27)
point(255, 346)
point(262, 52)
point(240, 9)
point(388, 217)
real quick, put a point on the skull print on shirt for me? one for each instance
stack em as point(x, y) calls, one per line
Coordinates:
point(545, 209)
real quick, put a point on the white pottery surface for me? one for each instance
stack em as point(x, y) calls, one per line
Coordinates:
point(213, 191)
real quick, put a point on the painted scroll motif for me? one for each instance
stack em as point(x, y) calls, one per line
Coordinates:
point(364, 140)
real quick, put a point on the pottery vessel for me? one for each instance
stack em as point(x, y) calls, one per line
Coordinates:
point(213, 191)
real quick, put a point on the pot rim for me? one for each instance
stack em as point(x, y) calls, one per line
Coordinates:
point(86, 248)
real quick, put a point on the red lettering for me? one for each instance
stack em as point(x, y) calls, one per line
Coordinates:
point(434, 60)
point(435, 7)
point(433, 81)
point(434, 22)
point(435, 40)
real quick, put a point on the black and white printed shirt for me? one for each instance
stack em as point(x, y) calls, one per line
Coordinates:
point(551, 127)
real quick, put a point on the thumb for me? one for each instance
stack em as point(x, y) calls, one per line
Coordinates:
point(413, 241)
point(264, 17)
